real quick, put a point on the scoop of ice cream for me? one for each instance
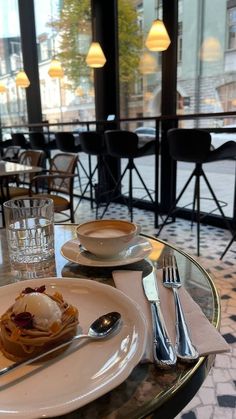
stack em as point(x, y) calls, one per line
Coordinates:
point(44, 310)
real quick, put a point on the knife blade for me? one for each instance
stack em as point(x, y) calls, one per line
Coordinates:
point(163, 350)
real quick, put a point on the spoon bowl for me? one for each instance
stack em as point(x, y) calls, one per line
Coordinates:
point(103, 327)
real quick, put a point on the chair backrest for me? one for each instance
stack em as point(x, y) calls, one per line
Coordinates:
point(30, 158)
point(11, 153)
point(63, 163)
point(121, 143)
point(189, 144)
point(65, 141)
point(19, 139)
point(37, 140)
point(92, 142)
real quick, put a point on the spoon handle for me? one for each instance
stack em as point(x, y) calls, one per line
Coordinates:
point(17, 365)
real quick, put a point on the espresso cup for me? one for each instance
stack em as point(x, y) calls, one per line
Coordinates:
point(106, 238)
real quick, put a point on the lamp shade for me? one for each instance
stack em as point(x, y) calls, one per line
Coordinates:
point(55, 70)
point(158, 38)
point(210, 50)
point(22, 79)
point(3, 88)
point(95, 57)
point(147, 64)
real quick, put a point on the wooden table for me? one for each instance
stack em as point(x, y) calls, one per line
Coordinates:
point(148, 392)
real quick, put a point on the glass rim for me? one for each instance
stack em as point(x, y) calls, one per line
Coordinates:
point(10, 203)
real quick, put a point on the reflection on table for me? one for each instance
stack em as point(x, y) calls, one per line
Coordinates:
point(8, 168)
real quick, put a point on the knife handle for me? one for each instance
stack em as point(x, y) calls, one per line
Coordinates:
point(163, 350)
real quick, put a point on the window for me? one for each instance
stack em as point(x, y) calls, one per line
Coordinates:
point(63, 30)
point(232, 28)
point(180, 41)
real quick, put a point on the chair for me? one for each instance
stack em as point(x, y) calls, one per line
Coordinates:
point(124, 144)
point(11, 153)
point(38, 142)
point(66, 143)
point(194, 145)
point(30, 158)
point(58, 183)
point(93, 144)
point(3, 145)
point(22, 181)
point(19, 139)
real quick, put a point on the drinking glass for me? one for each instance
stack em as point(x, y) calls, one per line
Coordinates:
point(30, 236)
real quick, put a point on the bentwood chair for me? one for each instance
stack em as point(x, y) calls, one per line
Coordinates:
point(57, 183)
point(11, 153)
point(4, 145)
point(19, 185)
point(66, 143)
point(194, 146)
point(123, 144)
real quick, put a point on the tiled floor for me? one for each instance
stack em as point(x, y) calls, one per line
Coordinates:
point(217, 396)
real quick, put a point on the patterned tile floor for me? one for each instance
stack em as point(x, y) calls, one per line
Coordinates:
point(217, 397)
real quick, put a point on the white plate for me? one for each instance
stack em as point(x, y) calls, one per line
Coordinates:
point(138, 250)
point(76, 377)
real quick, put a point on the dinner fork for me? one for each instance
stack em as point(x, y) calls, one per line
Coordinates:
point(185, 350)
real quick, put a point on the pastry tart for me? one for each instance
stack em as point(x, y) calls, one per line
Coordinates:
point(36, 322)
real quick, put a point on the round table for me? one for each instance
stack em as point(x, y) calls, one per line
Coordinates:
point(148, 391)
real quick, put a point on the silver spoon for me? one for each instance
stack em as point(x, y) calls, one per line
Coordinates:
point(101, 328)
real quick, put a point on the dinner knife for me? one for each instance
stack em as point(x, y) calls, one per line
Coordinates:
point(163, 350)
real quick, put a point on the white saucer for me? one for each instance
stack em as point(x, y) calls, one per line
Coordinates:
point(138, 250)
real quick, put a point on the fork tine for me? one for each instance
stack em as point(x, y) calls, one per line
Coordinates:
point(164, 270)
point(175, 266)
point(167, 270)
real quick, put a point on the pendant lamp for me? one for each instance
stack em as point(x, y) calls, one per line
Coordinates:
point(158, 38)
point(55, 70)
point(210, 50)
point(147, 64)
point(22, 79)
point(95, 57)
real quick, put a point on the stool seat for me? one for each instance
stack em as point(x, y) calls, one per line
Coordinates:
point(38, 142)
point(65, 142)
point(19, 139)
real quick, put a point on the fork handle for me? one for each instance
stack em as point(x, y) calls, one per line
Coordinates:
point(185, 350)
point(163, 351)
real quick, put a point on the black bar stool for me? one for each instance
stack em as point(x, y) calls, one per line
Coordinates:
point(93, 144)
point(38, 142)
point(194, 146)
point(19, 139)
point(124, 144)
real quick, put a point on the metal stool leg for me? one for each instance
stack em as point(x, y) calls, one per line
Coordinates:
point(228, 246)
point(176, 202)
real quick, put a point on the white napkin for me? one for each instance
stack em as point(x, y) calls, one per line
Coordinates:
point(205, 336)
